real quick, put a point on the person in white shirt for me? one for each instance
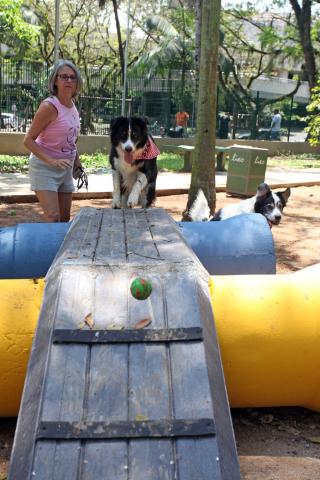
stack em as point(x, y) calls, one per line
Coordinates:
point(275, 126)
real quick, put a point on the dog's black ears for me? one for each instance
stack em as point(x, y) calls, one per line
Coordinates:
point(117, 120)
point(284, 195)
point(141, 121)
point(263, 190)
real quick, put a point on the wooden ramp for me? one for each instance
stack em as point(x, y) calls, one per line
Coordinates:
point(113, 402)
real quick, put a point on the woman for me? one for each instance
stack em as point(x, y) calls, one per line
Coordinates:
point(52, 141)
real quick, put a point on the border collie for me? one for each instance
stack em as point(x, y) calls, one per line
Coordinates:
point(269, 204)
point(133, 159)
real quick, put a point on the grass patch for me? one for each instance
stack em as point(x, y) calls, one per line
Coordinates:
point(170, 161)
point(13, 164)
point(166, 162)
point(305, 160)
point(93, 163)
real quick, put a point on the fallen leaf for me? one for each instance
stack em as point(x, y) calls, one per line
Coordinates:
point(81, 325)
point(142, 323)
point(288, 429)
point(266, 418)
point(246, 422)
point(314, 439)
point(89, 320)
point(141, 418)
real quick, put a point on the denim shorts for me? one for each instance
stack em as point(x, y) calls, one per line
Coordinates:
point(44, 177)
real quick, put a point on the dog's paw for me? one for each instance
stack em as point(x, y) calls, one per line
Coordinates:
point(133, 200)
point(116, 203)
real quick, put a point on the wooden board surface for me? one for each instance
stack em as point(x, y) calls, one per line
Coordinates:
point(142, 410)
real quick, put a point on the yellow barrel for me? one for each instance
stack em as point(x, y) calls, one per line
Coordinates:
point(268, 328)
point(20, 302)
point(269, 335)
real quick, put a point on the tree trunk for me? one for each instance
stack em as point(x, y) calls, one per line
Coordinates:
point(120, 46)
point(203, 167)
point(198, 48)
point(303, 17)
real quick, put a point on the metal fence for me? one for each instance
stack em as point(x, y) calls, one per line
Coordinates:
point(23, 85)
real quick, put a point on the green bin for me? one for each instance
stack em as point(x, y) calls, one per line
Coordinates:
point(246, 169)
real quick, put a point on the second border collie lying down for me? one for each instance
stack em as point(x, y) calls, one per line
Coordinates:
point(269, 204)
point(133, 159)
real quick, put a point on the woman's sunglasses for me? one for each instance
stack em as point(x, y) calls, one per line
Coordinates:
point(66, 77)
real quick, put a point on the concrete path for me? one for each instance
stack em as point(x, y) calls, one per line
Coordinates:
point(18, 183)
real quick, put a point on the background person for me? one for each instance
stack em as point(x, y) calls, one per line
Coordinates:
point(52, 139)
point(224, 124)
point(181, 118)
point(275, 125)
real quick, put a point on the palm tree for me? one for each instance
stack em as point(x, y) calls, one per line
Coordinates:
point(173, 49)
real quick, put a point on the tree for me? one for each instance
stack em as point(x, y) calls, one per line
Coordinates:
point(250, 48)
point(203, 166)
point(15, 32)
point(304, 24)
point(313, 120)
point(170, 46)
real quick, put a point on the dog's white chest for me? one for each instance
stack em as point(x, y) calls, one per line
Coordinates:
point(129, 173)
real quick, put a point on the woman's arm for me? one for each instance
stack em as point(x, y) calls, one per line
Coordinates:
point(45, 114)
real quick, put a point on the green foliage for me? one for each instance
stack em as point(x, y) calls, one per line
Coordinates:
point(306, 160)
point(99, 162)
point(13, 164)
point(15, 31)
point(95, 162)
point(171, 162)
point(313, 119)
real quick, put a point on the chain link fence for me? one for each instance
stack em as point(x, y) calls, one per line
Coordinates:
point(23, 85)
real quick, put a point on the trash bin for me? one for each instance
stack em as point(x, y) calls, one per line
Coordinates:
point(246, 169)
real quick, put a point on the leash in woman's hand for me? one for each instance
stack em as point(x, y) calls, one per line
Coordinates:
point(80, 175)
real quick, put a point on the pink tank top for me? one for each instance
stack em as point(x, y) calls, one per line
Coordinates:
point(59, 138)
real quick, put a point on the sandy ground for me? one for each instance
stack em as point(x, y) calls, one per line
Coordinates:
point(273, 443)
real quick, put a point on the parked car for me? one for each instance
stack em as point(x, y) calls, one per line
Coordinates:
point(8, 120)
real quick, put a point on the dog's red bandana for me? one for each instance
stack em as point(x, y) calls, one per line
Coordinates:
point(149, 151)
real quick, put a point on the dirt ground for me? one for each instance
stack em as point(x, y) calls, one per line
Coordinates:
point(273, 443)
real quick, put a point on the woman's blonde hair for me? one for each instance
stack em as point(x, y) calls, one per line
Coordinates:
point(53, 76)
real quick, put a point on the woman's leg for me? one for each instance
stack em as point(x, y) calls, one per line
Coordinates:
point(50, 205)
point(65, 199)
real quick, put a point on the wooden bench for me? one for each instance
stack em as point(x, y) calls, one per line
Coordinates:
point(187, 151)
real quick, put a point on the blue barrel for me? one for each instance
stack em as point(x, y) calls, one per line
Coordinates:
point(28, 249)
point(240, 245)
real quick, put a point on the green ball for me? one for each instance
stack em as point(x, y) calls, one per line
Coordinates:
point(140, 288)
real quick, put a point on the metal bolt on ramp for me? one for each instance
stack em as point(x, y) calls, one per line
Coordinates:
point(118, 388)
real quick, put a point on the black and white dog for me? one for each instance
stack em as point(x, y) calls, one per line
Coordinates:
point(266, 202)
point(133, 159)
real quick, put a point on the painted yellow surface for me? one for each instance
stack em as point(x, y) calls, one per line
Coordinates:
point(20, 302)
point(268, 328)
point(269, 335)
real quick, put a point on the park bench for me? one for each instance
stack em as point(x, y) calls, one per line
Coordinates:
point(187, 150)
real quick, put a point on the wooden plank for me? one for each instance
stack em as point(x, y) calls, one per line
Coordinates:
point(56, 460)
point(141, 247)
point(105, 460)
point(111, 242)
point(24, 442)
point(72, 308)
point(185, 312)
point(225, 437)
point(63, 398)
point(155, 386)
